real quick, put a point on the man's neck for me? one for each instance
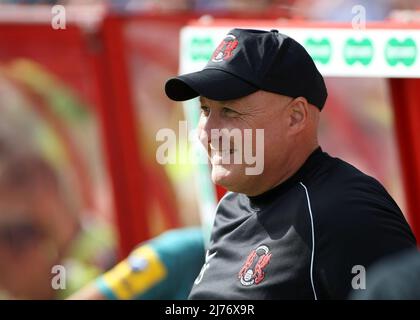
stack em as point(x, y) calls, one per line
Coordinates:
point(294, 163)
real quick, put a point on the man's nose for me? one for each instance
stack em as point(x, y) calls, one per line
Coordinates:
point(212, 122)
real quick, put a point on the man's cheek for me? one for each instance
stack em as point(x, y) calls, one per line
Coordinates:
point(202, 136)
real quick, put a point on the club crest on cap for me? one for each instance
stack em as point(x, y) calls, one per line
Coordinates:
point(225, 49)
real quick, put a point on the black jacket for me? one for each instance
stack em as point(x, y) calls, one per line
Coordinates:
point(302, 239)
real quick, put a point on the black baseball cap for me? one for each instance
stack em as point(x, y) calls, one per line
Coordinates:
point(250, 60)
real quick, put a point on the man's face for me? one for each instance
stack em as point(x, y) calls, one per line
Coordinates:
point(260, 110)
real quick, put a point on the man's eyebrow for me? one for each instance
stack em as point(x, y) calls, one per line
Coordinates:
point(224, 103)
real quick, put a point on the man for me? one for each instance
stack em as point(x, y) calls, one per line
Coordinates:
point(298, 229)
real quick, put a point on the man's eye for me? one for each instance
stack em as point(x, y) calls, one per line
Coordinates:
point(205, 110)
point(229, 112)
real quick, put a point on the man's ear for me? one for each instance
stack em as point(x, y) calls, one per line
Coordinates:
point(298, 114)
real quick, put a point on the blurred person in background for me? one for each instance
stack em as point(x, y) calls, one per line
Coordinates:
point(44, 222)
point(41, 226)
point(37, 223)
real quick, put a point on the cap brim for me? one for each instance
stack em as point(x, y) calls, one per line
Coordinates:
point(214, 84)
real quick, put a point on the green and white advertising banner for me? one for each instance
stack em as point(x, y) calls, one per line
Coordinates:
point(337, 52)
